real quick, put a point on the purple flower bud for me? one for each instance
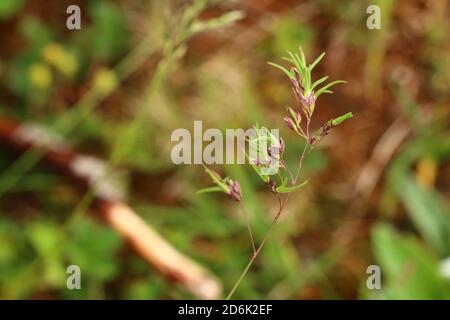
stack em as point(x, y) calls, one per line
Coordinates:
point(290, 123)
point(235, 190)
point(297, 94)
point(272, 184)
point(308, 101)
point(298, 117)
point(277, 149)
point(256, 162)
point(298, 78)
point(281, 145)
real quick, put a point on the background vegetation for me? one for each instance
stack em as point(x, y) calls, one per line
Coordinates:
point(138, 69)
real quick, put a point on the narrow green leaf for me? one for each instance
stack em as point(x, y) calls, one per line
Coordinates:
point(294, 117)
point(216, 179)
point(298, 64)
point(312, 65)
point(264, 178)
point(216, 23)
point(339, 120)
point(284, 189)
point(307, 82)
point(284, 182)
point(211, 189)
point(287, 72)
point(327, 86)
point(410, 270)
point(428, 212)
point(302, 55)
point(315, 84)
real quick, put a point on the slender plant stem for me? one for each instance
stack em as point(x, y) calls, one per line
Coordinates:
point(238, 282)
point(255, 255)
point(305, 149)
point(247, 221)
point(291, 176)
point(282, 204)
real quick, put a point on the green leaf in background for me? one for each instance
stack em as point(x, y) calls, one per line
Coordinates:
point(289, 32)
point(108, 36)
point(10, 243)
point(35, 31)
point(145, 289)
point(408, 270)
point(215, 23)
point(93, 248)
point(47, 238)
point(9, 7)
point(428, 212)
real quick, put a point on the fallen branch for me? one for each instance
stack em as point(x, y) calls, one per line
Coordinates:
point(85, 172)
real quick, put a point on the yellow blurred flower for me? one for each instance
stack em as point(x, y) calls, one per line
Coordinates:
point(426, 172)
point(53, 53)
point(40, 75)
point(105, 81)
point(64, 61)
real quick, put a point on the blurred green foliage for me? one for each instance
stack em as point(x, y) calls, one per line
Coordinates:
point(118, 87)
point(9, 8)
point(409, 270)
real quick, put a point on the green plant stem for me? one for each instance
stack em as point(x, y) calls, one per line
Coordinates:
point(269, 231)
point(247, 221)
point(255, 255)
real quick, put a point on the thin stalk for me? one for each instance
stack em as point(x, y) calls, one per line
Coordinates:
point(302, 157)
point(255, 255)
point(291, 176)
point(247, 221)
point(282, 204)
